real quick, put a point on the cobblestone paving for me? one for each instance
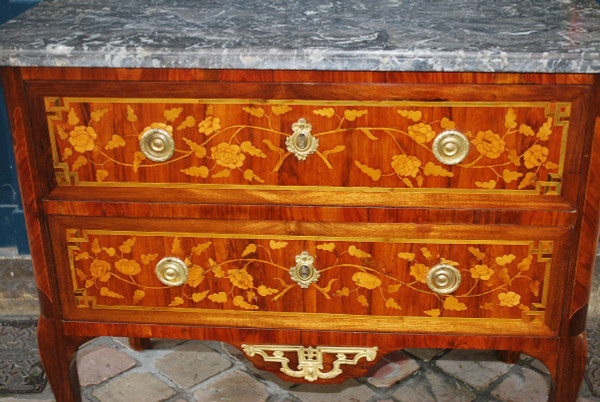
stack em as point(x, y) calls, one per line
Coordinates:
point(176, 371)
point(180, 371)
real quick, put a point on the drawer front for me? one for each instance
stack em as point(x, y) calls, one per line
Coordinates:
point(377, 146)
point(313, 276)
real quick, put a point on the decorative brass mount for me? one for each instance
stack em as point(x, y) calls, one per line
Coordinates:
point(301, 143)
point(310, 360)
point(157, 145)
point(450, 147)
point(443, 279)
point(171, 271)
point(304, 272)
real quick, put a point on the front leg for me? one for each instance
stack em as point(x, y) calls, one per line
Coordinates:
point(57, 353)
point(570, 368)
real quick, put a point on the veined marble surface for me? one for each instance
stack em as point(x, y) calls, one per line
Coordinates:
point(409, 35)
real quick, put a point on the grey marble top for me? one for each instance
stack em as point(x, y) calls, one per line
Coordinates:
point(394, 35)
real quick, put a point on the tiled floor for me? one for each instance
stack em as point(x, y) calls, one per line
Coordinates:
point(176, 371)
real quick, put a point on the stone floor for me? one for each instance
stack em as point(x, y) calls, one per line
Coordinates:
point(179, 371)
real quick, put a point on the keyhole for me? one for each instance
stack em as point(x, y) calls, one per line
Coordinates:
point(304, 271)
point(301, 141)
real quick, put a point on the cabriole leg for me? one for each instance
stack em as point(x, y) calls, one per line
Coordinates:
point(570, 369)
point(57, 353)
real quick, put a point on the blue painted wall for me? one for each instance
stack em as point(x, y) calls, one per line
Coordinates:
point(12, 224)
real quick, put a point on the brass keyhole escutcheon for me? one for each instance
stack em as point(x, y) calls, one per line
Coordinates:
point(171, 271)
point(450, 147)
point(157, 145)
point(443, 279)
point(301, 143)
point(304, 272)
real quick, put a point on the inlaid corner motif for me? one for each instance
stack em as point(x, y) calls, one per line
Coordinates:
point(389, 279)
point(513, 146)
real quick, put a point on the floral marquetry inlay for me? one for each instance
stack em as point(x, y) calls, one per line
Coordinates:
point(499, 279)
point(512, 146)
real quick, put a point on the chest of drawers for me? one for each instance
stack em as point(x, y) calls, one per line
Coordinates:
point(317, 183)
point(315, 220)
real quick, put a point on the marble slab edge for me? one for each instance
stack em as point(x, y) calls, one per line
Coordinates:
point(306, 59)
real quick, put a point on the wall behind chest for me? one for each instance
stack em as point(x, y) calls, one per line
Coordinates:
point(12, 224)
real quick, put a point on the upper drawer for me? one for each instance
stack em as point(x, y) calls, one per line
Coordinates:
point(378, 150)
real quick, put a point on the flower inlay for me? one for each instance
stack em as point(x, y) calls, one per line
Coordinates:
point(514, 146)
point(353, 278)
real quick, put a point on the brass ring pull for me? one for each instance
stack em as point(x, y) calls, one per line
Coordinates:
point(304, 272)
point(450, 147)
point(301, 143)
point(443, 279)
point(171, 271)
point(157, 145)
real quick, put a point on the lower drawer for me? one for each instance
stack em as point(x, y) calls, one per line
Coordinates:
point(368, 277)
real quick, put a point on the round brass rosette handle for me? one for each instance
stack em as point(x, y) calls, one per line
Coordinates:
point(304, 273)
point(157, 145)
point(171, 271)
point(450, 147)
point(443, 279)
point(301, 143)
